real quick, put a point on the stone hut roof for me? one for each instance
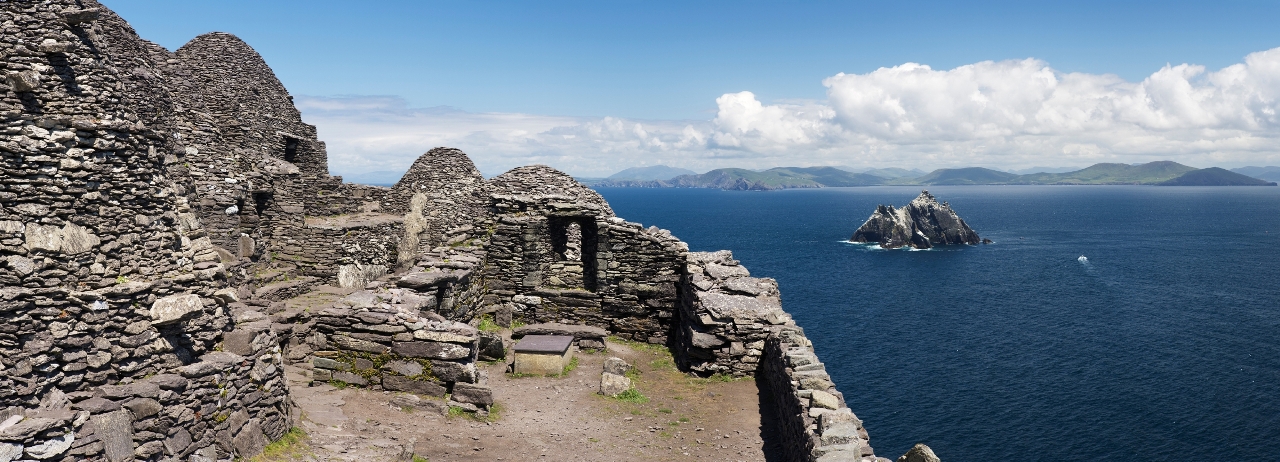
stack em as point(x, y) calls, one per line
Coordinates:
point(448, 177)
point(540, 184)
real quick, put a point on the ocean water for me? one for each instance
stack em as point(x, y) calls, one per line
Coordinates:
point(1164, 345)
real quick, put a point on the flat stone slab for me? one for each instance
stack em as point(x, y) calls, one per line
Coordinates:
point(544, 344)
point(576, 331)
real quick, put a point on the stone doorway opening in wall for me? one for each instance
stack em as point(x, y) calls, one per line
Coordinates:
point(574, 241)
point(290, 149)
point(261, 201)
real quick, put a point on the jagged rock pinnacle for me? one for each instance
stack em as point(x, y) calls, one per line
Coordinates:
point(921, 224)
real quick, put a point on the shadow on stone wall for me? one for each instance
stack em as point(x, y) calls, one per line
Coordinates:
point(770, 422)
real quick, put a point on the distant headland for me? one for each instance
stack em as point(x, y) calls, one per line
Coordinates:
point(1158, 173)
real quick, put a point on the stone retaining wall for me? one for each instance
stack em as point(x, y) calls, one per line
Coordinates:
point(726, 315)
point(379, 338)
point(122, 372)
point(815, 423)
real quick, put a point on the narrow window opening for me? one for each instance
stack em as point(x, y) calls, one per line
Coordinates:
point(574, 243)
point(290, 149)
point(261, 201)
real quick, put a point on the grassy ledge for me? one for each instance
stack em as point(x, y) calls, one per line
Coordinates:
point(291, 446)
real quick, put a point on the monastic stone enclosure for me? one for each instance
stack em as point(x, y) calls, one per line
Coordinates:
point(157, 207)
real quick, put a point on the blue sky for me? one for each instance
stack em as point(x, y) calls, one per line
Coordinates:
point(584, 70)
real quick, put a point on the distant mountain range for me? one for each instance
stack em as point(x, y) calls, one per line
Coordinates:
point(1163, 173)
point(1028, 171)
point(886, 172)
point(661, 176)
point(1264, 173)
point(656, 172)
point(378, 178)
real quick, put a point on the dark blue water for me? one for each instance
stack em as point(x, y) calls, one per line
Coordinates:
point(1164, 346)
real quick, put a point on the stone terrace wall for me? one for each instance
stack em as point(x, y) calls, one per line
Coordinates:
point(734, 324)
point(815, 424)
point(380, 338)
point(451, 279)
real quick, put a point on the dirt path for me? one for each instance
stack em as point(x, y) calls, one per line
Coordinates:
point(544, 418)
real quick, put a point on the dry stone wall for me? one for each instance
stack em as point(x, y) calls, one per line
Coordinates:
point(726, 315)
point(734, 324)
point(351, 251)
point(557, 254)
point(110, 281)
point(381, 338)
point(449, 277)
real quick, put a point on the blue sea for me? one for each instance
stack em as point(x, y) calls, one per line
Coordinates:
point(1164, 345)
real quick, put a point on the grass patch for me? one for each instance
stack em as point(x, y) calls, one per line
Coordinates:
point(632, 396)
point(495, 412)
point(418, 458)
point(684, 419)
point(573, 364)
point(719, 377)
point(641, 346)
point(339, 384)
point(666, 363)
point(486, 324)
point(664, 410)
point(291, 446)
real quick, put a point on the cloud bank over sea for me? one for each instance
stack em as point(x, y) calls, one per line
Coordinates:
point(1003, 114)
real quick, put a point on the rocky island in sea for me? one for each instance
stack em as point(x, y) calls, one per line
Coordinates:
point(921, 224)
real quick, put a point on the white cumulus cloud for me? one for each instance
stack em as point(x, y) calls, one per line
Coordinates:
point(1011, 114)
